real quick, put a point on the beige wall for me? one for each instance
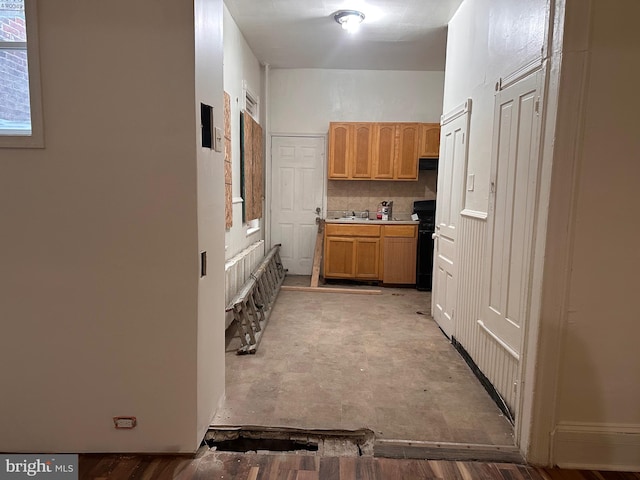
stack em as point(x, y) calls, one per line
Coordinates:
point(101, 232)
point(597, 420)
point(351, 195)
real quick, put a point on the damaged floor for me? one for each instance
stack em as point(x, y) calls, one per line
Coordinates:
point(346, 362)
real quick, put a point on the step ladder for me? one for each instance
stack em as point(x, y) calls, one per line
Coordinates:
point(252, 305)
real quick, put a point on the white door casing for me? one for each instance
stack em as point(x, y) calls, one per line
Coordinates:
point(297, 186)
point(450, 200)
point(512, 210)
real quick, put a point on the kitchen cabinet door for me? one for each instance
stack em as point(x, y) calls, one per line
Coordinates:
point(384, 150)
point(340, 149)
point(339, 257)
point(399, 260)
point(367, 258)
point(429, 144)
point(361, 158)
point(407, 159)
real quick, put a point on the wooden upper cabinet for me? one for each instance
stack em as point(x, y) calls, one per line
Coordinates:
point(377, 151)
point(362, 142)
point(429, 144)
point(340, 149)
point(385, 138)
point(407, 161)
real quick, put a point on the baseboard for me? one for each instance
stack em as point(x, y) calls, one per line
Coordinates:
point(597, 446)
point(484, 381)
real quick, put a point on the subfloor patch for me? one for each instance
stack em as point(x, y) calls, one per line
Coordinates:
point(338, 443)
point(258, 444)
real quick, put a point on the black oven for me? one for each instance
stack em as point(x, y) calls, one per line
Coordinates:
point(426, 211)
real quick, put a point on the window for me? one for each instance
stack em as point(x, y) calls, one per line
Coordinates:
point(251, 102)
point(20, 111)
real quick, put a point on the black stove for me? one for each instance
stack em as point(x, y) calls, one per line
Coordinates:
point(426, 211)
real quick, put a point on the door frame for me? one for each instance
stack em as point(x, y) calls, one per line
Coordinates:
point(269, 175)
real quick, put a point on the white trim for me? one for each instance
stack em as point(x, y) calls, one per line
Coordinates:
point(236, 200)
point(474, 214)
point(252, 230)
point(456, 112)
point(597, 446)
point(522, 72)
point(497, 339)
point(36, 139)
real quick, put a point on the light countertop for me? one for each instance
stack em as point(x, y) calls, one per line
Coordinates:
point(364, 221)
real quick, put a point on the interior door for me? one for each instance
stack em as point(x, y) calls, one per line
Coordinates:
point(451, 173)
point(297, 198)
point(513, 192)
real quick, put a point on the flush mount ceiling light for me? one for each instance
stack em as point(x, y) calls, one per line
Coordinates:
point(349, 19)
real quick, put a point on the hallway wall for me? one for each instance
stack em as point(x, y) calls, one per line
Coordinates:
point(240, 65)
point(482, 47)
point(99, 295)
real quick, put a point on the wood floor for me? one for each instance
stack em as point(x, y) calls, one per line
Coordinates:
point(245, 466)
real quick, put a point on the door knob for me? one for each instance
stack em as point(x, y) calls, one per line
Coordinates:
point(318, 210)
point(434, 236)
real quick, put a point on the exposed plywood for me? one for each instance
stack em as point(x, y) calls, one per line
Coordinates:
point(258, 169)
point(227, 115)
point(253, 167)
point(228, 202)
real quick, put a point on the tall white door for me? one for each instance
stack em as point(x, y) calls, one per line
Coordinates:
point(297, 186)
point(514, 175)
point(451, 173)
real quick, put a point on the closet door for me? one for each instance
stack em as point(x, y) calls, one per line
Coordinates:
point(512, 200)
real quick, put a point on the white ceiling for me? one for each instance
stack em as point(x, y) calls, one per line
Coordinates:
point(395, 34)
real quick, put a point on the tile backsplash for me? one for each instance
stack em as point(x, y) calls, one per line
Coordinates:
point(360, 195)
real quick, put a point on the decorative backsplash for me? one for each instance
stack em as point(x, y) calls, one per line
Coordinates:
point(360, 195)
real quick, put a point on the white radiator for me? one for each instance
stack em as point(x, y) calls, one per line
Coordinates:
point(237, 271)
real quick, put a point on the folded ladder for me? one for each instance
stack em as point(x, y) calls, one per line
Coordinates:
point(252, 305)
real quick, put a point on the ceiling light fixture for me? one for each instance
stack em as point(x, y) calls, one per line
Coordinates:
point(350, 20)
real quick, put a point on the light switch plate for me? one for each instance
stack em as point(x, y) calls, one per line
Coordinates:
point(218, 139)
point(470, 182)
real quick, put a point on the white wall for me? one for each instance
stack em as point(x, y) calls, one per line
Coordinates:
point(597, 410)
point(488, 39)
point(211, 301)
point(240, 64)
point(306, 100)
point(99, 251)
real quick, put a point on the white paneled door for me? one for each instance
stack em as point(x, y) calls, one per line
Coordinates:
point(297, 186)
point(514, 179)
point(452, 170)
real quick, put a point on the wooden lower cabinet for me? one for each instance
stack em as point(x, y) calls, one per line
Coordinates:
point(339, 257)
point(367, 258)
point(399, 254)
point(371, 252)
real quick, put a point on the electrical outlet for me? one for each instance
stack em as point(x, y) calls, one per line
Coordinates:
point(218, 139)
point(125, 423)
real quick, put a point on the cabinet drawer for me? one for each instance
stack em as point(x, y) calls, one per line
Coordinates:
point(400, 231)
point(333, 229)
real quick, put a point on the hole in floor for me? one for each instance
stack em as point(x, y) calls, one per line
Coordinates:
point(256, 444)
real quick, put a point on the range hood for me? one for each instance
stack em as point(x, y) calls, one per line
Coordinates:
point(428, 164)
